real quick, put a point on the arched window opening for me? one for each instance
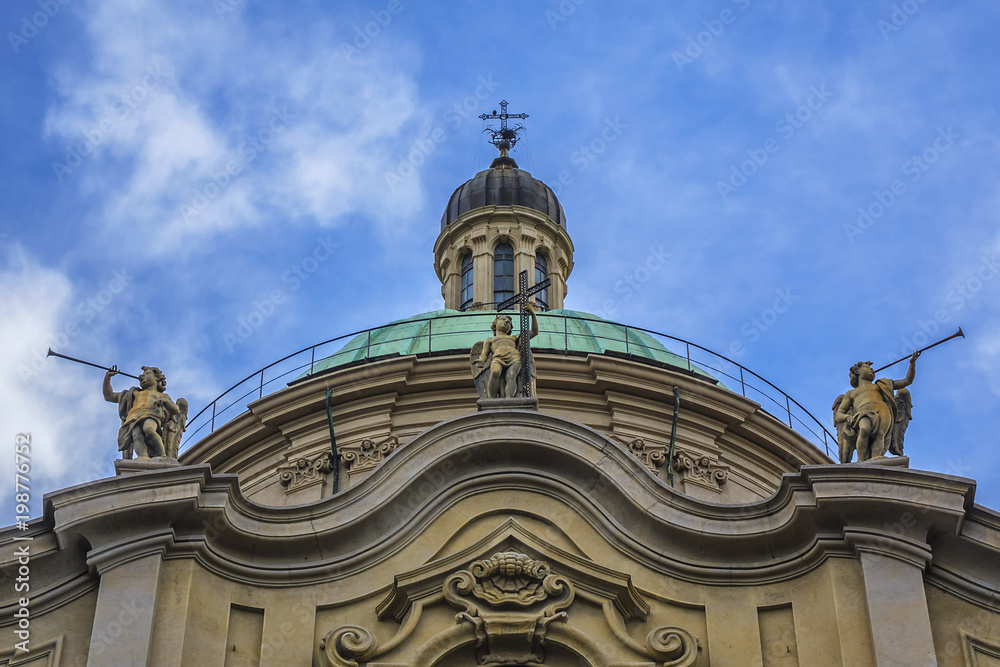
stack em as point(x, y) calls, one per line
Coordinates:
point(465, 297)
point(541, 273)
point(503, 273)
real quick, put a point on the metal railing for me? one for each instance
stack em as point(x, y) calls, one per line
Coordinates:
point(635, 343)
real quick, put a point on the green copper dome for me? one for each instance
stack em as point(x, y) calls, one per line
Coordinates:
point(451, 330)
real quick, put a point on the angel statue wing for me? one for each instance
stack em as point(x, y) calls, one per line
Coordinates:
point(478, 368)
point(904, 413)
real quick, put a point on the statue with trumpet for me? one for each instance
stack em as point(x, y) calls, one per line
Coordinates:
point(152, 423)
point(872, 417)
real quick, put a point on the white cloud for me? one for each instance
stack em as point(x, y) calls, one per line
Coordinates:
point(58, 403)
point(165, 105)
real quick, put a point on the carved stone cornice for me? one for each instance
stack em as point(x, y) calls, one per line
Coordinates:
point(700, 470)
point(364, 457)
point(303, 472)
point(681, 536)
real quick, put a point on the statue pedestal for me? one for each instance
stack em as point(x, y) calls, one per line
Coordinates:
point(888, 461)
point(486, 404)
point(130, 466)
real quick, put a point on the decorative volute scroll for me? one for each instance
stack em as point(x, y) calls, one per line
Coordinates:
point(304, 472)
point(674, 647)
point(700, 470)
point(365, 457)
point(652, 456)
point(347, 646)
point(513, 609)
point(510, 600)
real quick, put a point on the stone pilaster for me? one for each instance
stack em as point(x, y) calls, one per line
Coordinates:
point(897, 606)
point(123, 622)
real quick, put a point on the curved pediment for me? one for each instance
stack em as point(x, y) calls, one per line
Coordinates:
point(516, 598)
point(523, 460)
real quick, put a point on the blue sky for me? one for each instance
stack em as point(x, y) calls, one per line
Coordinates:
point(168, 165)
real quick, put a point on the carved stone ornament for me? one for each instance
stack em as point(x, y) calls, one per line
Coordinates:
point(510, 600)
point(652, 456)
point(367, 456)
point(303, 472)
point(508, 607)
point(700, 470)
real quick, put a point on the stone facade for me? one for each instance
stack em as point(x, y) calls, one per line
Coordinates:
point(496, 537)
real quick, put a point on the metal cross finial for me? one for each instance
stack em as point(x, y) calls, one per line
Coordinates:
point(521, 300)
point(504, 138)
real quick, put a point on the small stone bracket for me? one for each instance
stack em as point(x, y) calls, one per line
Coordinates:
point(653, 456)
point(366, 456)
point(700, 470)
point(304, 472)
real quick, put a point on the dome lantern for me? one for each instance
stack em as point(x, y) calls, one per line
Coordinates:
point(498, 223)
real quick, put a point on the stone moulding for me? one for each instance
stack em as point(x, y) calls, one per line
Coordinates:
point(366, 456)
point(700, 470)
point(304, 472)
point(684, 537)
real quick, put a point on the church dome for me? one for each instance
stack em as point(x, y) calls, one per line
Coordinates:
point(565, 331)
point(503, 184)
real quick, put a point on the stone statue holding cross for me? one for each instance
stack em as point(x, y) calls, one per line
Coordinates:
point(500, 357)
point(502, 365)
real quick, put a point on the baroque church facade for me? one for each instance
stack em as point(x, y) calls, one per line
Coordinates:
point(636, 512)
